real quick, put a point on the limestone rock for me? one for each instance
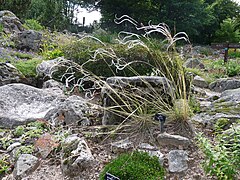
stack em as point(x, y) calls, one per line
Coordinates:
point(52, 84)
point(122, 146)
point(194, 63)
point(200, 82)
point(71, 111)
point(20, 103)
point(209, 120)
point(11, 24)
point(177, 161)
point(140, 85)
point(13, 146)
point(47, 67)
point(227, 106)
point(152, 151)
point(173, 140)
point(232, 95)
point(9, 74)
point(224, 84)
point(25, 164)
point(76, 156)
point(28, 40)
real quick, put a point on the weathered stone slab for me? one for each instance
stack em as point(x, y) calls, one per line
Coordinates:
point(173, 140)
point(113, 94)
point(224, 84)
point(20, 103)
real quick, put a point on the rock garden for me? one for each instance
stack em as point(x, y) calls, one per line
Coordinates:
point(78, 106)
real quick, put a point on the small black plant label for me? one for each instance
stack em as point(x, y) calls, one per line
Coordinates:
point(109, 176)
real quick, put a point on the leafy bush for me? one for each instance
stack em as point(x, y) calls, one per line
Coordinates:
point(229, 31)
point(102, 58)
point(55, 53)
point(33, 24)
point(233, 68)
point(28, 68)
point(138, 165)
point(222, 158)
point(234, 54)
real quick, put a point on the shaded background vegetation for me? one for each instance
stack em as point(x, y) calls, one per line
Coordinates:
point(202, 20)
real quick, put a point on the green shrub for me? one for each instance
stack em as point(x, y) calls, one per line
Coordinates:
point(19, 131)
point(102, 64)
point(28, 68)
point(233, 68)
point(138, 165)
point(55, 53)
point(33, 24)
point(29, 149)
point(222, 158)
point(234, 54)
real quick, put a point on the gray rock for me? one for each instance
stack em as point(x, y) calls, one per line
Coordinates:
point(9, 74)
point(25, 164)
point(20, 103)
point(210, 119)
point(144, 86)
point(227, 106)
point(173, 140)
point(70, 143)
point(28, 40)
point(152, 151)
point(77, 157)
point(177, 161)
point(122, 146)
point(194, 63)
point(200, 82)
point(230, 96)
point(224, 84)
point(52, 84)
point(11, 24)
point(46, 68)
point(13, 146)
point(71, 111)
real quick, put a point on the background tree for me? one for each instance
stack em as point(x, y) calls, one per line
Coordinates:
point(18, 7)
point(229, 31)
point(198, 18)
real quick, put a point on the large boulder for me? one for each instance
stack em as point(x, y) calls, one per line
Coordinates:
point(116, 88)
point(28, 40)
point(224, 84)
point(20, 103)
point(11, 24)
point(74, 110)
point(9, 74)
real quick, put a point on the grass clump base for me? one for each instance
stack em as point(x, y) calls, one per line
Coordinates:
point(137, 165)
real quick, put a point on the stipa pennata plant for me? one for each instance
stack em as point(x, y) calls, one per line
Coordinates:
point(128, 101)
